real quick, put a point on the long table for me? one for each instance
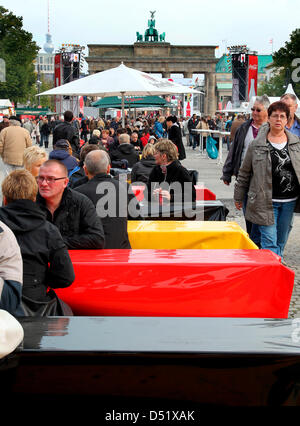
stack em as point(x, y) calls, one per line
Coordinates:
point(96, 364)
point(199, 210)
point(171, 234)
point(194, 283)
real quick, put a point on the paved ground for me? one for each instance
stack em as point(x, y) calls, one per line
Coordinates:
point(210, 172)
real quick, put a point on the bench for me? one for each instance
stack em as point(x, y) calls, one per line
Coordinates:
point(92, 364)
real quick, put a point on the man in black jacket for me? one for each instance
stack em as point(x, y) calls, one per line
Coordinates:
point(73, 213)
point(125, 151)
point(244, 135)
point(104, 192)
point(191, 125)
point(65, 130)
point(46, 261)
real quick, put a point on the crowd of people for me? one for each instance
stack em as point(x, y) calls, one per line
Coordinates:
point(78, 195)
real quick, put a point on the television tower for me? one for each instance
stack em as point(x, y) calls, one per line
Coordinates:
point(48, 46)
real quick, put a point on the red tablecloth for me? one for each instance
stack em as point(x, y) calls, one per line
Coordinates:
point(203, 193)
point(191, 283)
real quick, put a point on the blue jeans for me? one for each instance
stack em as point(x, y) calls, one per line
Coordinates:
point(274, 237)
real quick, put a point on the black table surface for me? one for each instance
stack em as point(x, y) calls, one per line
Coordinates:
point(162, 335)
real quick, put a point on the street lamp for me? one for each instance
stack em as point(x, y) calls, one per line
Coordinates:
point(38, 84)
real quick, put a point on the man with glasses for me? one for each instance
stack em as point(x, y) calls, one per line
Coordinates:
point(244, 135)
point(293, 124)
point(73, 213)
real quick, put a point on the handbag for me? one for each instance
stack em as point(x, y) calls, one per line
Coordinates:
point(52, 307)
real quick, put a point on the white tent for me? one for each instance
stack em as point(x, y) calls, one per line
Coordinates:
point(5, 103)
point(119, 81)
point(289, 89)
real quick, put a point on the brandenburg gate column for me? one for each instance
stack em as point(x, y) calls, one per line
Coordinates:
point(210, 103)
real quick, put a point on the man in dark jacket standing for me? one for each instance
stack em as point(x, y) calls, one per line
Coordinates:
point(73, 213)
point(65, 130)
point(104, 192)
point(191, 125)
point(175, 135)
point(244, 135)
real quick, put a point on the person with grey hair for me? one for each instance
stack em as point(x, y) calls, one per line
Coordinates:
point(124, 151)
point(293, 124)
point(244, 136)
point(104, 192)
point(13, 141)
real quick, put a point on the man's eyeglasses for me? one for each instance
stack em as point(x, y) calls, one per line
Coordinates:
point(49, 180)
point(256, 109)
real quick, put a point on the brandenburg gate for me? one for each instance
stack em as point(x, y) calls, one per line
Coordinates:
point(153, 55)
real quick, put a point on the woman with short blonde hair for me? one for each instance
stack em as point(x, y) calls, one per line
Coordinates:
point(148, 150)
point(19, 185)
point(33, 158)
point(165, 146)
point(141, 170)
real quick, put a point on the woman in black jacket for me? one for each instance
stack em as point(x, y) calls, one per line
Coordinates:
point(175, 135)
point(169, 170)
point(46, 261)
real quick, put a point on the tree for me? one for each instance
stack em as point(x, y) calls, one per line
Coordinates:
point(288, 59)
point(18, 51)
point(45, 101)
point(273, 87)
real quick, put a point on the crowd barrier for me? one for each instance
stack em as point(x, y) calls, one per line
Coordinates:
point(193, 283)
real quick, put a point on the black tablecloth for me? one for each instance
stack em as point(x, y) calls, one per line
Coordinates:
point(199, 210)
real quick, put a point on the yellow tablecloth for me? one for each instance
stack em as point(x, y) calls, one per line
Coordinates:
point(187, 235)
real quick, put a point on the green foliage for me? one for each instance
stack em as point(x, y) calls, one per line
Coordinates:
point(45, 101)
point(274, 87)
point(284, 57)
point(19, 51)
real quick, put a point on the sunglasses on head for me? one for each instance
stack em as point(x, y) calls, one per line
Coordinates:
point(256, 109)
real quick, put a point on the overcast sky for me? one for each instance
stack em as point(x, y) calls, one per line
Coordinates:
point(198, 22)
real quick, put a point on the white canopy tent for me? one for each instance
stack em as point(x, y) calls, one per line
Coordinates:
point(289, 89)
point(119, 81)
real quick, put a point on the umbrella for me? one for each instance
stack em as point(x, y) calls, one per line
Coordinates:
point(118, 82)
point(131, 102)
